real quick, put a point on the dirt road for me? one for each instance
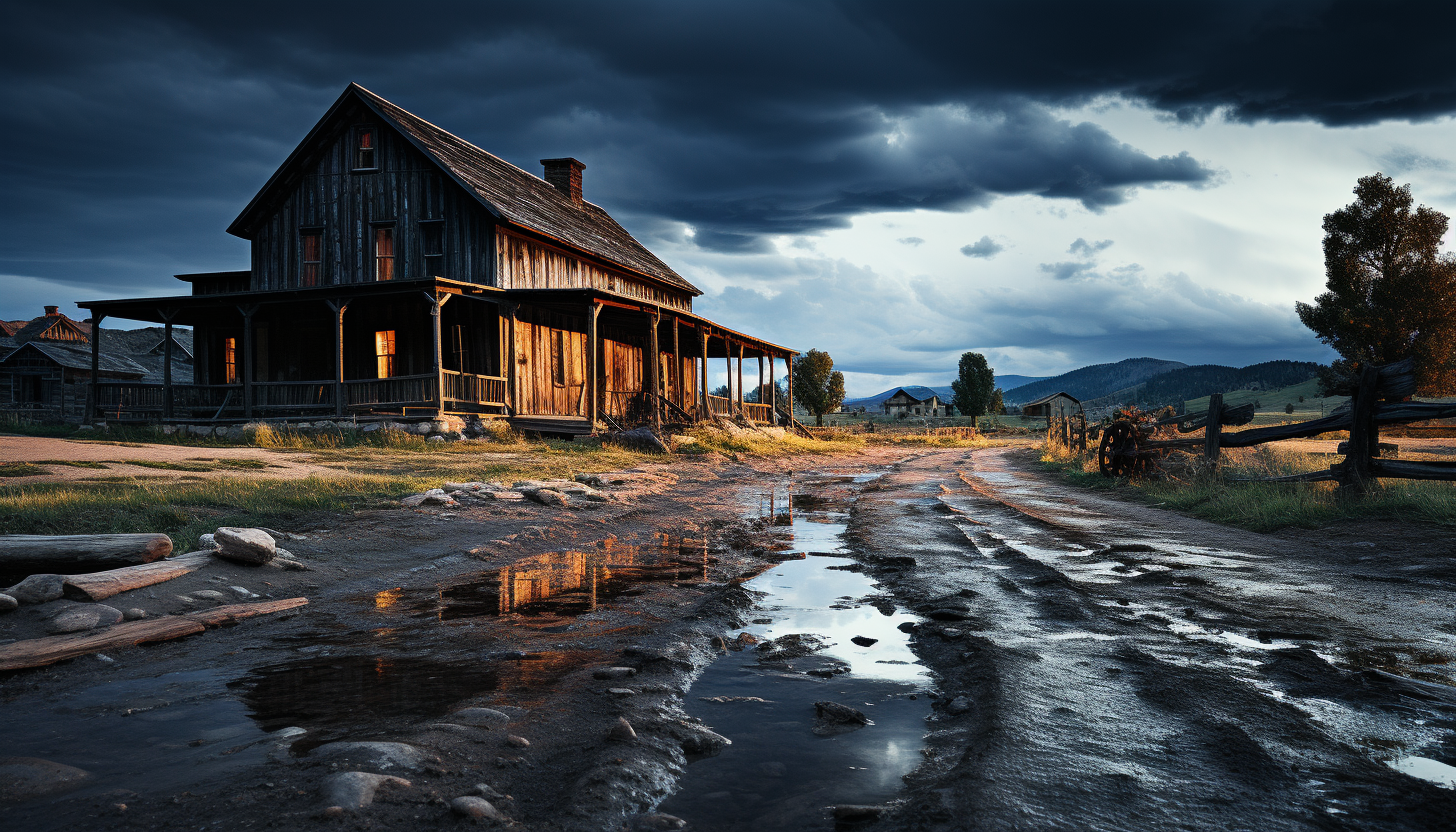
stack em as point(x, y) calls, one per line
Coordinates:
point(1022, 655)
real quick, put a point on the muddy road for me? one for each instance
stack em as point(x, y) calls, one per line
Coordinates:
point(996, 652)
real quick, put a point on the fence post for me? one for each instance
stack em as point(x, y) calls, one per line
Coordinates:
point(1214, 429)
point(1364, 434)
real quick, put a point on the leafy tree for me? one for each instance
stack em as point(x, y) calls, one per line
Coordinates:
point(1289, 407)
point(974, 385)
point(818, 387)
point(1390, 294)
point(998, 404)
point(760, 395)
point(721, 391)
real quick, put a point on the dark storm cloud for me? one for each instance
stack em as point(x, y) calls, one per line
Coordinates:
point(132, 133)
point(984, 248)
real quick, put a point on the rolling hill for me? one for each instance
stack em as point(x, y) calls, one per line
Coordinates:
point(1005, 382)
point(1095, 380)
point(1201, 380)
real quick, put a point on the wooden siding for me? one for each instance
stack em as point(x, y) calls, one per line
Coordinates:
point(344, 206)
point(61, 392)
point(524, 263)
point(551, 364)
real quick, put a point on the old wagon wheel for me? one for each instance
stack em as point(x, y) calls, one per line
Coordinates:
point(1118, 456)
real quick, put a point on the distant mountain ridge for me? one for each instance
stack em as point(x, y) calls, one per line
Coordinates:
point(1094, 381)
point(1203, 379)
point(945, 393)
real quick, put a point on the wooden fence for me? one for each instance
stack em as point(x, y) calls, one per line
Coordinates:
point(1378, 399)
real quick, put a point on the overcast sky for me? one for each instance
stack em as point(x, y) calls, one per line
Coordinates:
point(1052, 184)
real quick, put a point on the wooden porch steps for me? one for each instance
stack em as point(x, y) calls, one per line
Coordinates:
point(564, 425)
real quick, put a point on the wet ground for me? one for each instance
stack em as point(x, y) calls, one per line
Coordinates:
point(1023, 656)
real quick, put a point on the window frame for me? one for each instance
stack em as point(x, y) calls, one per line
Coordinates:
point(375, 258)
point(384, 362)
point(431, 231)
point(230, 359)
point(316, 232)
point(356, 148)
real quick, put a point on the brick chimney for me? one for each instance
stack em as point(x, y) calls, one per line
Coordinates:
point(53, 311)
point(565, 176)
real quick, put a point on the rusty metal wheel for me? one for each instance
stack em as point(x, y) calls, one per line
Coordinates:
point(1118, 455)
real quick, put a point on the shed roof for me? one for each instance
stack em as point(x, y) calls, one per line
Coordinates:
point(1045, 399)
point(76, 358)
point(914, 392)
point(45, 325)
point(510, 193)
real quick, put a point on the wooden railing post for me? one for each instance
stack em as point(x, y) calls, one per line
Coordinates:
point(703, 341)
point(654, 359)
point(677, 374)
point(338, 308)
point(248, 311)
point(789, 383)
point(1213, 431)
point(773, 395)
point(593, 357)
point(167, 315)
point(93, 393)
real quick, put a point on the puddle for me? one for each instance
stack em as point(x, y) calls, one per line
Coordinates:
point(558, 584)
point(1427, 769)
point(780, 774)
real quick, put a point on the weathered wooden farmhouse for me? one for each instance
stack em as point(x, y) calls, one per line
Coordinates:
point(399, 271)
point(1057, 405)
point(46, 364)
point(916, 401)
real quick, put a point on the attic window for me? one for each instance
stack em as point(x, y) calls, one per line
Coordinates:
point(312, 256)
point(432, 246)
point(365, 149)
point(384, 252)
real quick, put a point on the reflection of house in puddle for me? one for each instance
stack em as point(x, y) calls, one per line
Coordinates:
point(565, 583)
point(777, 504)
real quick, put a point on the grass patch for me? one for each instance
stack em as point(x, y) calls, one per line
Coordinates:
point(167, 466)
point(20, 469)
point(1264, 506)
point(73, 463)
point(245, 464)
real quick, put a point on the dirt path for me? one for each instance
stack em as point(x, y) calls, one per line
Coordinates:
point(1112, 666)
point(106, 458)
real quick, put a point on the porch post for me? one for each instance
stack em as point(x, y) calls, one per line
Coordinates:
point(773, 395)
point(740, 378)
point(654, 317)
point(435, 303)
point(704, 413)
point(248, 358)
point(728, 368)
point(593, 350)
point(789, 381)
point(677, 365)
point(513, 369)
point(167, 363)
point(338, 308)
point(93, 394)
point(760, 380)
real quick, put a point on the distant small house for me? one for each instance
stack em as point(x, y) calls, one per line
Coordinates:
point(45, 363)
point(916, 401)
point(1055, 405)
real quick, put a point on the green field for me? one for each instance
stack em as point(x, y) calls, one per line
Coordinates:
point(1272, 403)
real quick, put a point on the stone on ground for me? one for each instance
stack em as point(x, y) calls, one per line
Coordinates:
point(8, 603)
point(476, 808)
point(621, 731)
point(480, 717)
point(251, 546)
point(84, 617)
point(23, 778)
point(37, 589)
point(355, 789)
point(376, 755)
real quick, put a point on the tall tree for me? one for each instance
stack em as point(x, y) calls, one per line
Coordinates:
point(818, 387)
point(1390, 293)
point(998, 402)
point(974, 385)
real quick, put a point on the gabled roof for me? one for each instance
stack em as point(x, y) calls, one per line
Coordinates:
point(1045, 399)
point(49, 326)
point(77, 358)
point(9, 328)
point(915, 393)
point(515, 196)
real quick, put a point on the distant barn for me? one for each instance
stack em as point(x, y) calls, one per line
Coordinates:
point(1057, 405)
point(916, 401)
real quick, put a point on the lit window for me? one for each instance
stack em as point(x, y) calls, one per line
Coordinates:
point(364, 149)
point(384, 352)
point(558, 358)
point(229, 361)
point(384, 252)
point(313, 257)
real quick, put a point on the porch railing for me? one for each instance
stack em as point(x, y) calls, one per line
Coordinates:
point(417, 390)
point(720, 406)
point(758, 412)
point(293, 395)
point(474, 389)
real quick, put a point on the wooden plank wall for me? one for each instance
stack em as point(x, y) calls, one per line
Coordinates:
point(537, 391)
point(406, 190)
point(524, 263)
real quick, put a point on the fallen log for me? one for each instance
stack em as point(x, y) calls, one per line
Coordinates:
point(68, 552)
point(94, 586)
point(37, 652)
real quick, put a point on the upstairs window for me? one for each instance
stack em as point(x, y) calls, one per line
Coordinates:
point(432, 246)
point(384, 252)
point(384, 353)
point(311, 252)
point(365, 151)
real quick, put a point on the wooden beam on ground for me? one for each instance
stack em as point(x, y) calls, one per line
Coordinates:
point(37, 652)
point(95, 586)
point(1414, 469)
point(19, 552)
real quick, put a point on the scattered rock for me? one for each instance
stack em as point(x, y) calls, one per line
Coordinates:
point(476, 808)
point(791, 646)
point(655, 822)
point(615, 673)
point(947, 614)
point(8, 603)
point(84, 617)
point(907, 626)
point(252, 546)
point(37, 589)
point(622, 691)
point(480, 717)
point(864, 641)
point(292, 565)
point(548, 497)
point(207, 542)
point(438, 497)
point(621, 731)
point(412, 500)
point(210, 595)
point(134, 614)
point(504, 495)
point(641, 438)
point(717, 643)
point(723, 700)
point(355, 789)
point(702, 741)
point(518, 742)
point(958, 705)
point(243, 592)
point(837, 713)
point(23, 778)
point(381, 755)
point(485, 791)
